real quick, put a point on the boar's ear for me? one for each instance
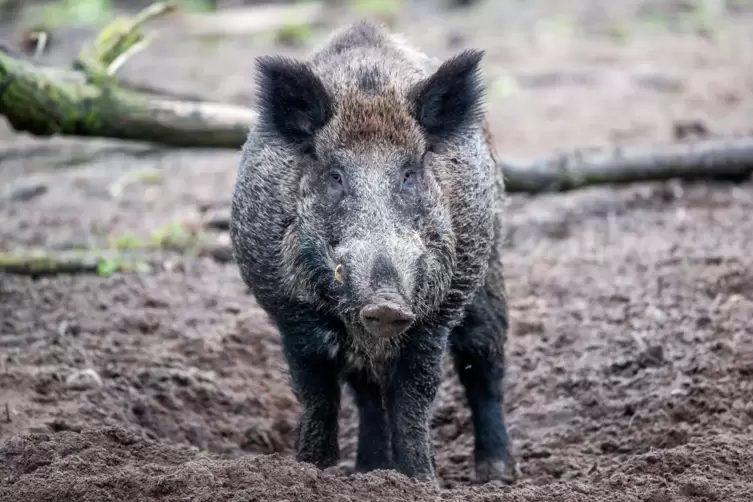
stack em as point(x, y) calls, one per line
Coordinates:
point(293, 102)
point(452, 98)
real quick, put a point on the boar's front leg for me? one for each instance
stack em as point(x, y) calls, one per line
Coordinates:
point(373, 432)
point(412, 385)
point(309, 344)
point(477, 346)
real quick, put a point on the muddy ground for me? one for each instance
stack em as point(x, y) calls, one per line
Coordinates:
point(631, 348)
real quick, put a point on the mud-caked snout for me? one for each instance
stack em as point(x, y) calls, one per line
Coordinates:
point(387, 315)
point(379, 282)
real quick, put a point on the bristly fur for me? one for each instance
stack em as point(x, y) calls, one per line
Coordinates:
point(292, 99)
point(452, 98)
point(375, 159)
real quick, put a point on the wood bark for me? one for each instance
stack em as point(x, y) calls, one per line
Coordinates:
point(43, 103)
point(714, 159)
point(44, 263)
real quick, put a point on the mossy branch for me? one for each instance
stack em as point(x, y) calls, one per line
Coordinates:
point(86, 101)
point(118, 41)
point(103, 262)
point(43, 103)
point(46, 263)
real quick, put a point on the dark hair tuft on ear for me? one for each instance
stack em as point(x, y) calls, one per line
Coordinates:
point(450, 99)
point(293, 102)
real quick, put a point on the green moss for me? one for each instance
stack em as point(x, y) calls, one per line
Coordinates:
point(560, 25)
point(66, 12)
point(618, 31)
point(33, 260)
point(294, 34)
point(80, 156)
point(42, 262)
point(126, 241)
point(385, 11)
point(175, 236)
point(375, 6)
point(703, 18)
point(107, 267)
point(89, 11)
point(148, 175)
point(198, 6)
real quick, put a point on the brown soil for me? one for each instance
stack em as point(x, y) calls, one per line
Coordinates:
point(631, 351)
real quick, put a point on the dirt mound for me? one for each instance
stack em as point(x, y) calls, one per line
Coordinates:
point(112, 464)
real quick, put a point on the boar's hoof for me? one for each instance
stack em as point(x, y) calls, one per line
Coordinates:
point(341, 469)
point(386, 319)
point(496, 470)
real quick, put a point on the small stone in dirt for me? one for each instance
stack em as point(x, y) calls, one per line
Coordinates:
point(455, 39)
point(660, 83)
point(689, 129)
point(652, 356)
point(261, 438)
point(341, 469)
point(462, 3)
point(218, 251)
point(660, 495)
point(173, 266)
point(697, 488)
point(218, 218)
point(68, 328)
point(59, 425)
point(83, 379)
point(22, 192)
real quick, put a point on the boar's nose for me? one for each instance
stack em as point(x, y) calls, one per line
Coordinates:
point(386, 318)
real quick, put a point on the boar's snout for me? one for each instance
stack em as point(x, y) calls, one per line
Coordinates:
point(378, 282)
point(387, 316)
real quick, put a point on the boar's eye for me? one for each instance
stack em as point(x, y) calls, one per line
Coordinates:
point(410, 176)
point(335, 185)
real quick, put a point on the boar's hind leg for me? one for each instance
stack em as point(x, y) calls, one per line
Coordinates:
point(477, 347)
point(373, 432)
point(412, 385)
point(307, 340)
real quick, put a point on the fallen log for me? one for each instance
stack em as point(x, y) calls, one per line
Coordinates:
point(717, 159)
point(86, 100)
point(39, 263)
point(103, 262)
point(44, 103)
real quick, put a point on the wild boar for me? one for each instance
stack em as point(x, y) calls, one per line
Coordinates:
point(367, 220)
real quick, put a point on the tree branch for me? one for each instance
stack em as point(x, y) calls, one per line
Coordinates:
point(46, 263)
point(104, 262)
point(117, 42)
point(719, 159)
point(87, 100)
point(43, 103)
